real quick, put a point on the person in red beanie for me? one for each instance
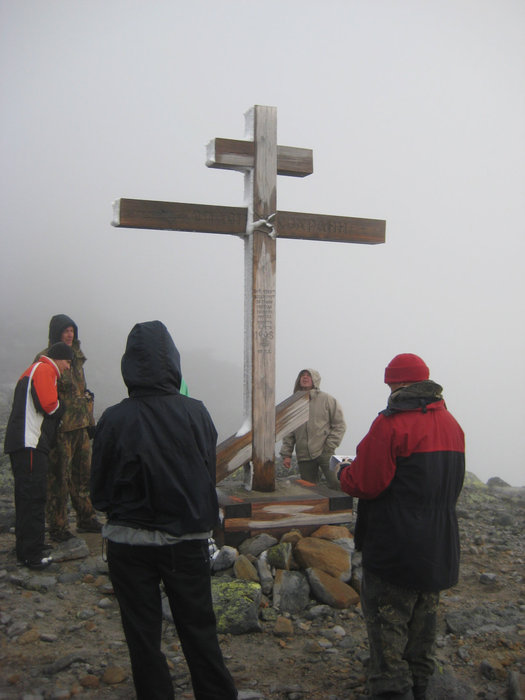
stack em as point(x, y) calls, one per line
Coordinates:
point(407, 474)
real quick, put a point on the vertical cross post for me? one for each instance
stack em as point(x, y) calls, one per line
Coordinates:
point(259, 361)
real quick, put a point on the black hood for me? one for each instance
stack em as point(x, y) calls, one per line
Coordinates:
point(57, 324)
point(151, 362)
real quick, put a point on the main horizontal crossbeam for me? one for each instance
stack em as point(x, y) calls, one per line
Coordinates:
point(206, 218)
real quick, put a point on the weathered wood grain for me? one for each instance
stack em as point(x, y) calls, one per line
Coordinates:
point(206, 218)
point(235, 451)
point(231, 154)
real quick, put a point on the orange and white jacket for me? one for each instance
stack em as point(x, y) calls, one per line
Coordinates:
point(36, 408)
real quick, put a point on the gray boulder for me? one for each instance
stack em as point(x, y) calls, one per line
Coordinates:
point(291, 592)
point(256, 545)
point(224, 558)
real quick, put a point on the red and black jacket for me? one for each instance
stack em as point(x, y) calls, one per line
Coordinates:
point(408, 474)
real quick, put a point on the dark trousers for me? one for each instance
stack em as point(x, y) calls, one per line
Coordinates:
point(136, 573)
point(401, 627)
point(309, 471)
point(30, 475)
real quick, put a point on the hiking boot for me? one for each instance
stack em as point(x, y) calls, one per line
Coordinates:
point(60, 535)
point(38, 564)
point(420, 692)
point(91, 525)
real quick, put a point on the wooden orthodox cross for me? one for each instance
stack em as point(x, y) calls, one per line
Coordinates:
point(261, 159)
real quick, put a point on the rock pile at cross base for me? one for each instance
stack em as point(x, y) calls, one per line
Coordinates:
point(288, 614)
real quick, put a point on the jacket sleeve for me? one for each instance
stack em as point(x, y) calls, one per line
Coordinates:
point(44, 388)
point(374, 467)
point(101, 460)
point(209, 446)
point(337, 426)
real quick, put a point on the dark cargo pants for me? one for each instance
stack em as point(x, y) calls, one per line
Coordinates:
point(401, 626)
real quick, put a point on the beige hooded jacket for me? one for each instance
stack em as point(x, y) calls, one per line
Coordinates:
point(323, 431)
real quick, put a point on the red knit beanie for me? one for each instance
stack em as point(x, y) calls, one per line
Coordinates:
point(406, 368)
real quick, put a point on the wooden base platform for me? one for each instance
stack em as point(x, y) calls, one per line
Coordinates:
point(294, 504)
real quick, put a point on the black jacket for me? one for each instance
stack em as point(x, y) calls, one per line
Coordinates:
point(154, 453)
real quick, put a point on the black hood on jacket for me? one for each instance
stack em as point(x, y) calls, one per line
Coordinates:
point(151, 362)
point(59, 323)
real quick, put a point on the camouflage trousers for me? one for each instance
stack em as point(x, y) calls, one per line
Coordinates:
point(401, 626)
point(68, 475)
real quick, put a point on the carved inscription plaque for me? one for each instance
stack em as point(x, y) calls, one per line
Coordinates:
point(264, 303)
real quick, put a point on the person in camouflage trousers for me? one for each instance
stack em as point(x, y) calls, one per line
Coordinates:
point(70, 459)
point(407, 474)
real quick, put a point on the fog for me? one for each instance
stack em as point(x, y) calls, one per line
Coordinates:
point(415, 113)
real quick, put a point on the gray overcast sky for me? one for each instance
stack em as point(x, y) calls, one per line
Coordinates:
point(415, 112)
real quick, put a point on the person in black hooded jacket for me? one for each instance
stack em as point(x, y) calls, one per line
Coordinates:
point(153, 474)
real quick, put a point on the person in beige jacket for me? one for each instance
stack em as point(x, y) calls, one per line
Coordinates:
point(316, 440)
